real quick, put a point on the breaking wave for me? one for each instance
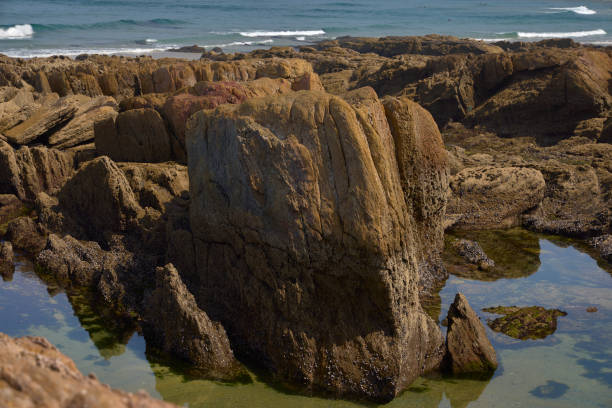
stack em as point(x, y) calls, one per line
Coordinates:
point(17, 32)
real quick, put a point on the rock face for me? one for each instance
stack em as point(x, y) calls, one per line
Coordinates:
point(298, 209)
point(35, 374)
point(468, 348)
point(489, 197)
point(182, 328)
point(25, 234)
point(533, 322)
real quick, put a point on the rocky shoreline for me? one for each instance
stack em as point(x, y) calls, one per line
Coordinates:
point(288, 206)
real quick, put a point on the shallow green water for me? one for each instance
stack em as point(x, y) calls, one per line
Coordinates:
point(572, 367)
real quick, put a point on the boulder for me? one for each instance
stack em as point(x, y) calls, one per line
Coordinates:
point(177, 325)
point(100, 197)
point(137, 135)
point(297, 209)
point(603, 244)
point(34, 373)
point(494, 197)
point(469, 351)
point(7, 261)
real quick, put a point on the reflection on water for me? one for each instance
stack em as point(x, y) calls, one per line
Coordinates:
point(572, 367)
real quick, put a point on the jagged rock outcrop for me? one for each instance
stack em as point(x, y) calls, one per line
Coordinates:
point(28, 171)
point(179, 326)
point(100, 197)
point(469, 351)
point(34, 374)
point(491, 197)
point(80, 129)
point(296, 209)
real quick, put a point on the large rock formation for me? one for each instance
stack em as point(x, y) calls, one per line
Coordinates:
point(306, 242)
point(33, 373)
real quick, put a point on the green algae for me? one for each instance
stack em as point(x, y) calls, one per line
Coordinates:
point(533, 322)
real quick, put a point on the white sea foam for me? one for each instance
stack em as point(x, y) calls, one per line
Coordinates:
point(150, 40)
point(17, 32)
point(241, 43)
point(562, 35)
point(301, 38)
point(281, 33)
point(578, 10)
point(492, 39)
point(72, 52)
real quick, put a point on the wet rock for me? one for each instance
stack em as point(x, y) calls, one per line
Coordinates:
point(490, 197)
point(35, 373)
point(533, 322)
point(25, 234)
point(177, 325)
point(138, 135)
point(473, 253)
point(100, 197)
point(469, 351)
point(7, 263)
point(603, 244)
point(296, 209)
point(591, 309)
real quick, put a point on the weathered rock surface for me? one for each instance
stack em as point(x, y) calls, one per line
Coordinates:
point(44, 120)
point(137, 135)
point(35, 374)
point(81, 128)
point(533, 322)
point(490, 197)
point(28, 171)
point(100, 197)
point(179, 326)
point(297, 209)
point(25, 234)
point(468, 348)
point(7, 262)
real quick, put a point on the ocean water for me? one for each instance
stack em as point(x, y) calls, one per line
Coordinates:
point(570, 368)
point(46, 27)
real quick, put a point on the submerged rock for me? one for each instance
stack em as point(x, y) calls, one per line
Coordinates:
point(604, 245)
point(7, 263)
point(176, 323)
point(472, 252)
point(297, 209)
point(469, 351)
point(533, 322)
point(34, 373)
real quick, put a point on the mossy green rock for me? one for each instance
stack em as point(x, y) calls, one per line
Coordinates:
point(533, 322)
